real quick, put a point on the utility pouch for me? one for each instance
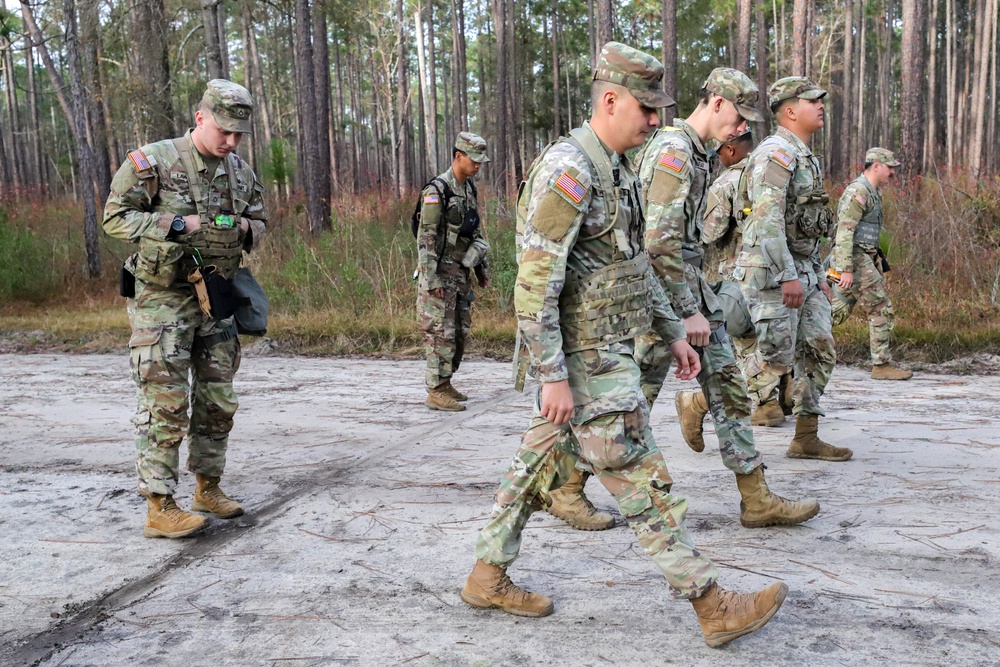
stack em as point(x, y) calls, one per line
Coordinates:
point(215, 293)
point(126, 283)
point(470, 223)
point(251, 304)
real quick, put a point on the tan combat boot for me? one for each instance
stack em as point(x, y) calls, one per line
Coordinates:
point(571, 505)
point(768, 414)
point(489, 587)
point(438, 398)
point(447, 388)
point(165, 519)
point(890, 372)
point(725, 615)
point(760, 507)
point(691, 410)
point(208, 497)
point(807, 445)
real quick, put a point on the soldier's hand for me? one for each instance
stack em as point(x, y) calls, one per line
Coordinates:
point(825, 287)
point(192, 223)
point(437, 292)
point(557, 402)
point(791, 293)
point(846, 279)
point(697, 329)
point(688, 363)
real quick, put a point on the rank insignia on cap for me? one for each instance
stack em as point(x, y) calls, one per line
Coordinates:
point(572, 187)
point(139, 160)
point(673, 162)
point(860, 199)
point(782, 158)
point(432, 199)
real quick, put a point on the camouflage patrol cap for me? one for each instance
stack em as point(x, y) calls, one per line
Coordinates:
point(735, 86)
point(231, 105)
point(883, 155)
point(642, 74)
point(472, 145)
point(791, 87)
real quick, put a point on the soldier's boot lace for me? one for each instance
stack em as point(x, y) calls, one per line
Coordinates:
point(890, 372)
point(439, 399)
point(208, 497)
point(571, 505)
point(725, 615)
point(759, 507)
point(807, 445)
point(165, 519)
point(786, 393)
point(768, 414)
point(489, 587)
point(447, 387)
point(691, 410)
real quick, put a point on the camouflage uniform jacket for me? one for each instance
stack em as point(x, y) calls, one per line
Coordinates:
point(674, 172)
point(860, 201)
point(723, 231)
point(439, 249)
point(564, 233)
point(782, 171)
point(144, 201)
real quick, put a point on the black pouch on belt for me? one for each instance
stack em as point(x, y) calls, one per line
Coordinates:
point(220, 293)
point(126, 283)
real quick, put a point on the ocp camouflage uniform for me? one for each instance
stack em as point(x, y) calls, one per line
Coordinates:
point(575, 261)
point(781, 242)
point(445, 321)
point(171, 337)
point(674, 172)
point(859, 222)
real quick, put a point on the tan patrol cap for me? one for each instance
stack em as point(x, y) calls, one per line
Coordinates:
point(231, 105)
point(472, 145)
point(791, 87)
point(736, 87)
point(641, 73)
point(883, 155)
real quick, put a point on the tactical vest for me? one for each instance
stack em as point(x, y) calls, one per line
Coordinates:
point(867, 232)
point(807, 218)
point(455, 242)
point(613, 303)
point(741, 207)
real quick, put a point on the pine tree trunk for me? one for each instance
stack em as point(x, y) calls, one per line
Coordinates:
point(799, 32)
point(554, 41)
point(321, 72)
point(670, 56)
point(213, 53)
point(933, 94)
point(91, 41)
point(305, 104)
point(605, 23)
point(743, 41)
point(15, 150)
point(430, 147)
point(847, 103)
point(403, 177)
point(912, 98)
point(39, 170)
point(761, 128)
point(149, 80)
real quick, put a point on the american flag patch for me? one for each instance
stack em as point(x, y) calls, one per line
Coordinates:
point(672, 162)
point(782, 158)
point(139, 161)
point(860, 199)
point(432, 199)
point(572, 187)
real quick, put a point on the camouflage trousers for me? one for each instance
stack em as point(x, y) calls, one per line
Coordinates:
point(799, 339)
point(870, 291)
point(445, 323)
point(610, 431)
point(180, 359)
point(725, 389)
point(739, 326)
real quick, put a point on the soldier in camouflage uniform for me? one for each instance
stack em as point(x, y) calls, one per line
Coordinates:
point(584, 291)
point(674, 172)
point(856, 253)
point(188, 202)
point(725, 213)
point(779, 269)
point(450, 244)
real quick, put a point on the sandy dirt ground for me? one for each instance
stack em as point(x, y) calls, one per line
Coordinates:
point(363, 507)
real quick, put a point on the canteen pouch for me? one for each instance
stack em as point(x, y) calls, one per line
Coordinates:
point(216, 296)
point(251, 304)
point(126, 282)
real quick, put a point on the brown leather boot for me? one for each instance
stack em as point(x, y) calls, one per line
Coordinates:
point(438, 398)
point(691, 410)
point(165, 519)
point(760, 507)
point(571, 505)
point(768, 414)
point(890, 372)
point(447, 388)
point(489, 587)
point(208, 497)
point(725, 615)
point(807, 445)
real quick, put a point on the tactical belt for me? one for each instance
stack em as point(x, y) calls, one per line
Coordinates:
point(214, 339)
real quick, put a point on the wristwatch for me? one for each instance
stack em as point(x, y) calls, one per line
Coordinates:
point(176, 225)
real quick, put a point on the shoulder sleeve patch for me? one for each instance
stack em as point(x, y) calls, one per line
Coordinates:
point(783, 158)
point(860, 198)
point(567, 184)
point(559, 206)
point(672, 161)
point(432, 199)
point(139, 161)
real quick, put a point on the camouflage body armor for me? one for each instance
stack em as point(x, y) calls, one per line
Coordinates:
point(867, 232)
point(806, 214)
